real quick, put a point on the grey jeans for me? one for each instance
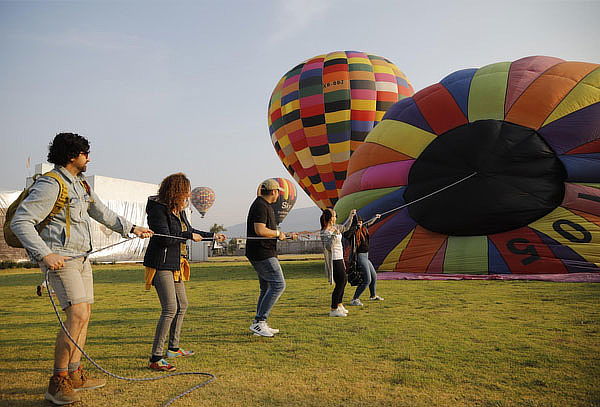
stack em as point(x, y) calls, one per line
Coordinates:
point(174, 303)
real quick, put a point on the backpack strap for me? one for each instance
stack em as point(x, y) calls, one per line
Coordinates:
point(61, 202)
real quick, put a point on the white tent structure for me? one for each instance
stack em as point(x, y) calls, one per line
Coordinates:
point(125, 197)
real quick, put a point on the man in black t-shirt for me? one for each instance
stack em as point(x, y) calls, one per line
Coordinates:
point(262, 253)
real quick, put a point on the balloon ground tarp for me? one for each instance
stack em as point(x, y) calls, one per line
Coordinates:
point(527, 134)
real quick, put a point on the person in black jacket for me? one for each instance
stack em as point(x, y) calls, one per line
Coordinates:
point(167, 266)
point(361, 242)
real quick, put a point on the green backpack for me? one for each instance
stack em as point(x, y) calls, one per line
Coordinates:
point(61, 202)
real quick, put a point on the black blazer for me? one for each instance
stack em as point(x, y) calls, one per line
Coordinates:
point(163, 253)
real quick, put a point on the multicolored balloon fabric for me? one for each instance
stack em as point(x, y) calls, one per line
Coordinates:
point(322, 110)
point(528, 131)
point(286, 200)
point(202, 199)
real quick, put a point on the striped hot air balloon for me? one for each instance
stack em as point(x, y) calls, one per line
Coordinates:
point(202, 199)
point(287, 198)
point(529, 131)
point(322, 110)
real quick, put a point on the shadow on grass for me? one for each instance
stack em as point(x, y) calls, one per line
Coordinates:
point(27, 403)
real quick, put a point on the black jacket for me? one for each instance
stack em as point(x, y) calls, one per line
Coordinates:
point(163, 253)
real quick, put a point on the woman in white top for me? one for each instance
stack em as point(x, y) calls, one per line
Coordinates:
point(331, 236)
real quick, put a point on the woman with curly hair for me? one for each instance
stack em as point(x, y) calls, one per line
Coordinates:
point(167, 266)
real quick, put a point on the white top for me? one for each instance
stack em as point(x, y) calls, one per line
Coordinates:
point(332, 246)
point(337, 251)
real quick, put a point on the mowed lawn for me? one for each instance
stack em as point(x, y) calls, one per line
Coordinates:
point(430, 343)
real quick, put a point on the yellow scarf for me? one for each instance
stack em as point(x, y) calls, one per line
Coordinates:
point(183, 274)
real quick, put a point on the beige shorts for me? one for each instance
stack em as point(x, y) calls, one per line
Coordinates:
point(73, 284)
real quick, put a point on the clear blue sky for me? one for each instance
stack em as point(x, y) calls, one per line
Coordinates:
point(159, 87)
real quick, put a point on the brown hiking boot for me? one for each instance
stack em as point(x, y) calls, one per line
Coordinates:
point(81, 380)
point(60, 391)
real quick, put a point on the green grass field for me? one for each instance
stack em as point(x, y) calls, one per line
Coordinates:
point(430, 343)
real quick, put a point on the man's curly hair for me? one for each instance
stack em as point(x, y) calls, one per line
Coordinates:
point(174, 191)
point(66, 146)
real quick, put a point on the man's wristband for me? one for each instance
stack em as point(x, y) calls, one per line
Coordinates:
point(278, 233)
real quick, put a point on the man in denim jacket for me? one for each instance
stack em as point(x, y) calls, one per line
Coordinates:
point(68, 235)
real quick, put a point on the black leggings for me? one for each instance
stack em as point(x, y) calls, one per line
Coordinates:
point(340, 278)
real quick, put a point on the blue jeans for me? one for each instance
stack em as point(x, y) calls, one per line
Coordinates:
point(369, 275)
point(272, 284)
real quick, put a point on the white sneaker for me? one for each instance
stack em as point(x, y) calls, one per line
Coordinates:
point(343, 309)
point(376, 298)
point(337, 313)
point(261, 328)
point(356, 302)
point(274, 330)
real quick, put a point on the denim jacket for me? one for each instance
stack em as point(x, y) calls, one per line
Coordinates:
point(53, 238)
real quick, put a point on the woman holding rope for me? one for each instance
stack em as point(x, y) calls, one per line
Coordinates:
point(360, 231)
point(167, 266)
point(331, 236)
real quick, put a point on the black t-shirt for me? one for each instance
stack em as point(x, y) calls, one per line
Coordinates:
point(260, 212)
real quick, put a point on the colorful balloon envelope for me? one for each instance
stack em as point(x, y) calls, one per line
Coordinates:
point(322, 110)
point(202, 199)
point(286, 200)
point(524, 138)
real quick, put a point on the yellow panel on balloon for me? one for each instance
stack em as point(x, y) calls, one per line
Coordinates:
point(573, 231)
point(585, 93)
point(340, 157)
point(382, 69)
point(389, 264)
point(358, 104)
point(290, 107)
point(305, 157)
point(319, 187)
point(322, 159)
point(334, 55)
point(359, 60)
point(342, 147)
point(412, 142)
point(339, 116)
point(284, 141)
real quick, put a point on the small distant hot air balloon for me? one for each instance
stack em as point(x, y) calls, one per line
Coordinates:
point(286, 200)
point(322, 110)
point(202, 199)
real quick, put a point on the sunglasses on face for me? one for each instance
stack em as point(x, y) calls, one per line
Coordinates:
point(86, 153)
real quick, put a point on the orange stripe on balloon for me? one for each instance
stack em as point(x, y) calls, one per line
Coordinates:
point(420, 251)
point(523, 72)
point(370, 154)
point(439, 108)
point(587, 216)
point(544, 94)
